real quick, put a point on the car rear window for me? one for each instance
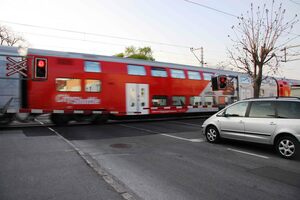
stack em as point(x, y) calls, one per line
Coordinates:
point(288, 109)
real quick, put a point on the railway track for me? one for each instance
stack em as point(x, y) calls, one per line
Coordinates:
point(45, 121)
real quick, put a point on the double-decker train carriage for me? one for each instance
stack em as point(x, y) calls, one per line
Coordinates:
point(75, 86)
point(295, 88)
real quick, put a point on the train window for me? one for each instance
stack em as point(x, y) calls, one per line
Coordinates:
point(245, 80)
point(207, 76)
point(195, 101)
point(136, 70)
point(90, 66)
point(158, 72)
point(273, 82)
point(208, 101)
point(68, 85)
point(194, 75)
point(177, 73)
point(178, 100)
point(159, 100)
point(92, 85)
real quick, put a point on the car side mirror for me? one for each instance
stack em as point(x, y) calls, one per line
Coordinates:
point(222, 115)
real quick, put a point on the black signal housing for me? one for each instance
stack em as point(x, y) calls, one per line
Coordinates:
point(40, 68)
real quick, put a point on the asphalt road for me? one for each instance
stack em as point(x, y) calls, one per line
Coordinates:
point(170, 159)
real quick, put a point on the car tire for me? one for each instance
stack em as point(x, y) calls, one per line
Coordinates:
point(212, 134)
point(287, 147)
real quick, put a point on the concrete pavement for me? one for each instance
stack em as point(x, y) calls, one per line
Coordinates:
point(37, 164)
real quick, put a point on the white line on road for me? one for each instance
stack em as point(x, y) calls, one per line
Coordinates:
point(189, 124)
point(140, 129)
point(163, 134)
point(58, 134)
point(248, 153)
point(181, 138)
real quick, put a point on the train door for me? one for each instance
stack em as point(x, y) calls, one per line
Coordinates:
point(137, 98)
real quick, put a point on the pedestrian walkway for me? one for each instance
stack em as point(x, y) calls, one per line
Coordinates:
point(37, 167)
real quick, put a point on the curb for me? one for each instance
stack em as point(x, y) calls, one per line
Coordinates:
point(108, 178)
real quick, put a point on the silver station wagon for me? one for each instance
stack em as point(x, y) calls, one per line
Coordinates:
point(274, 121)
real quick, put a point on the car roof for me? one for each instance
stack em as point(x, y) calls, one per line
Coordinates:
point(274, 99)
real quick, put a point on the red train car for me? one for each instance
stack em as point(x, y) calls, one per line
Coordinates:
point(92, 87)
point(86, 84)
point(284, 88)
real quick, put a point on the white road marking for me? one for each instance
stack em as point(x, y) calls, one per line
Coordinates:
point(189, 124)
point(181, 138)
point(59, 135)
point(248, 153)
point(163, 134)
point(141, 129)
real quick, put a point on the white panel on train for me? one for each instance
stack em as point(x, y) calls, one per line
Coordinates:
point(137, 98)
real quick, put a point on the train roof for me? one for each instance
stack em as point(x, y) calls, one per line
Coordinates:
point(14, 51)
point(8, 50)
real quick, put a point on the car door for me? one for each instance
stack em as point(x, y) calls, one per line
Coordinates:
point(260, 123)
point(231, 122)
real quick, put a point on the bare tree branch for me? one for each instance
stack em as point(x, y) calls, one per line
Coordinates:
point(9, 38)
point(255, 47)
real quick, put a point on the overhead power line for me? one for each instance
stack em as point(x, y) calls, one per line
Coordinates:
point(211, 8)
point(95, 41)
point(95, 34)
point(227, 13)
point(295, 2)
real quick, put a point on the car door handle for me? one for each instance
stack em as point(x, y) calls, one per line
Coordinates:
point(241, 121)
point(272, 123)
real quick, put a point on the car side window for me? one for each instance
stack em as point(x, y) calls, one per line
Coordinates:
point(237, 110)
point(262, 109)
point(287, 109)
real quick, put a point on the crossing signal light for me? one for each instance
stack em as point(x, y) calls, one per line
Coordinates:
point(222, 82)
point(40, 68)
point(219, 82)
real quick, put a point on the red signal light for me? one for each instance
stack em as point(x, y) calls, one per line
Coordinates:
point(222, 82)
point(222, 79)
point(41, 68)
point(41, 63)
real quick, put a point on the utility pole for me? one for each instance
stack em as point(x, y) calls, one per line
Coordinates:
point(285, 53)
point(201, 60)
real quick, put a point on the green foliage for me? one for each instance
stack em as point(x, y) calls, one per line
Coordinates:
point(144, 53)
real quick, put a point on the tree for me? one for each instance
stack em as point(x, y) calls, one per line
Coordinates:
point(9, 38)
point(256, 49)
point(144, 53)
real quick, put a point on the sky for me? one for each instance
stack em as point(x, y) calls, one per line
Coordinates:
point(169, 27)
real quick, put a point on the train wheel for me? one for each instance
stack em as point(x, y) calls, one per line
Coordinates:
point(23, 117)
point(5, 119)
point(60, 119)
point(79, 117)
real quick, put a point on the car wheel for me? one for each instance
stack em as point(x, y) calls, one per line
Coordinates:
point(212, 134)
point(287, 147)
